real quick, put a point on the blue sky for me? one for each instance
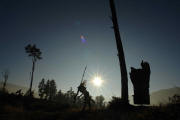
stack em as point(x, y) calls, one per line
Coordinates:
point(149, 31)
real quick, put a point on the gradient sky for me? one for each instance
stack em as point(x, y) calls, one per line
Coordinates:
point(149, 31)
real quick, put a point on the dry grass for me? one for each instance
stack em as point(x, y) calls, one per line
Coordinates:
point(9, 108)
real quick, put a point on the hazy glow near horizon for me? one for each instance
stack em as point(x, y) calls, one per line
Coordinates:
point(97, 81)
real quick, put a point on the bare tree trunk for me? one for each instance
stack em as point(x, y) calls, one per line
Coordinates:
point(5, 74)
point(33, 67)
point(4, 84)
point(124, 78)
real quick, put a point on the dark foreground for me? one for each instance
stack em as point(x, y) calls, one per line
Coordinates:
point(13, 107)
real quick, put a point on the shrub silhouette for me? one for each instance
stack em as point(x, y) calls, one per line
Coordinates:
point(174, 99)
point(116, 103)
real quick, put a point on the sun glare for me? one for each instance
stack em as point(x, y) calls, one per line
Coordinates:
point(97, 81)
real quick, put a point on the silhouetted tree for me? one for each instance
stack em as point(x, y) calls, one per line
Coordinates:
point(5, 75)
point(70, 95)
point(124, 76)
point(35, 53)
point(99, 101)
point(60, 97)
point(52, 89)
point(48, 89)
point(41, 88)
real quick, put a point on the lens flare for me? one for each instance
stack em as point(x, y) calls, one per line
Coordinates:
point(83, 40)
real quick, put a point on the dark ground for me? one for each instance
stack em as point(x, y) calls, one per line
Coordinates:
point(14, 107)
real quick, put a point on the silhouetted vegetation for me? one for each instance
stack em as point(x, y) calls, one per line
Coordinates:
point(99, 100)
point(53, 105)
point(18, 107)
point(174, 99)
point(47, 90)
point(35, 53)
point(41, 88)
point(5, 75)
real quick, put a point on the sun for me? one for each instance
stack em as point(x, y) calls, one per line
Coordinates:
point(97, 81)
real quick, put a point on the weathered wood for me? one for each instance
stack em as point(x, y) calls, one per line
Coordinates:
point(124, 78)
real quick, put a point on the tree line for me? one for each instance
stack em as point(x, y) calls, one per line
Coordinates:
point(47, 90)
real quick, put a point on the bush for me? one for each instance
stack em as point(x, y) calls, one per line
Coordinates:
point(174, 99)
point(117, 104)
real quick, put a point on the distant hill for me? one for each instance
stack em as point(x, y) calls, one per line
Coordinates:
point(161, 96)
point(12, 88)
